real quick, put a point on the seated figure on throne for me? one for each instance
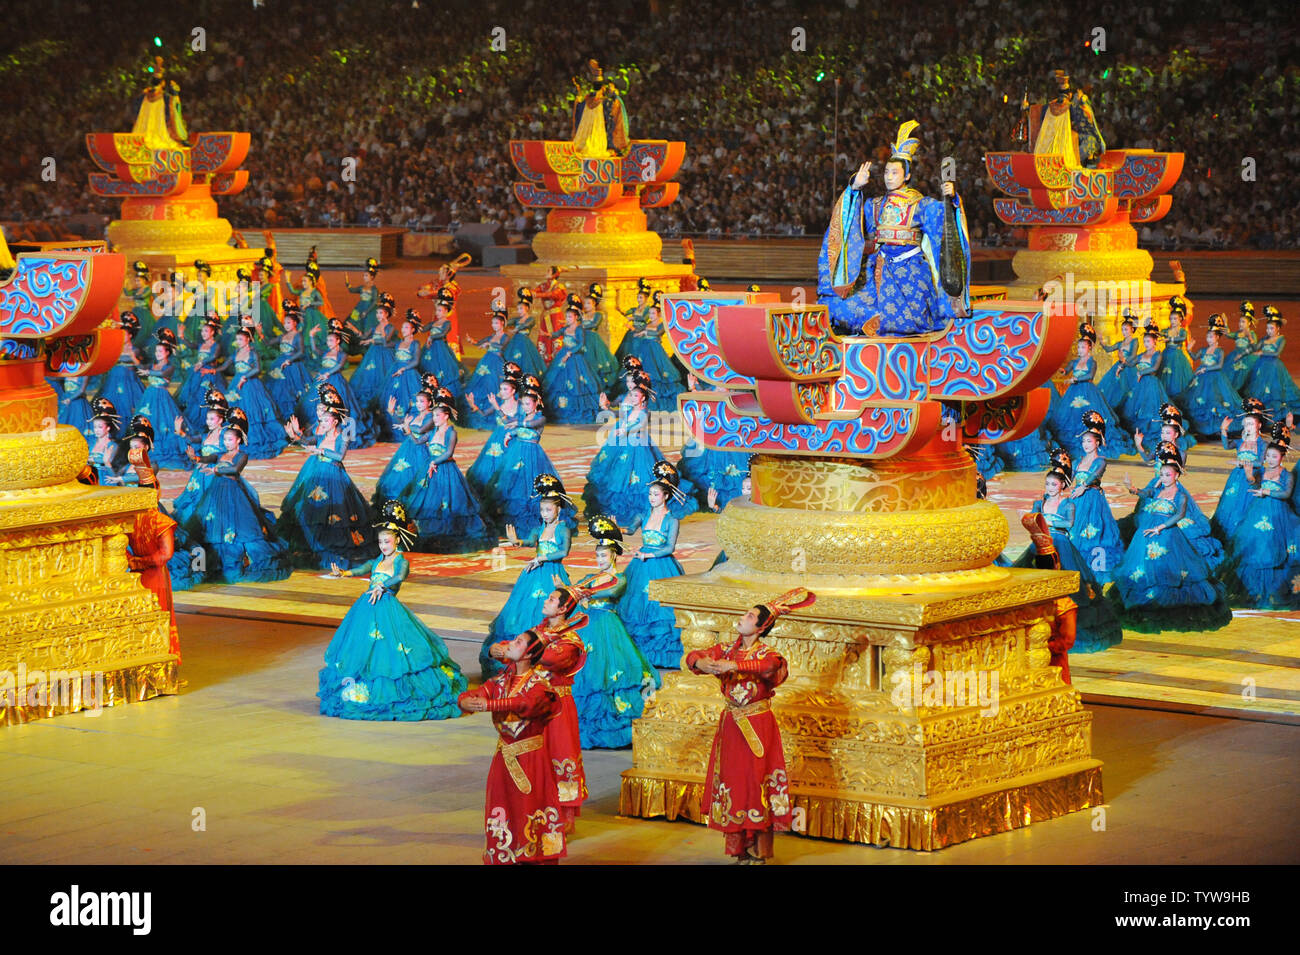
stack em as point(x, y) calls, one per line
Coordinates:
point(159, 117)
point(900, 260)
point(599, 117)
point(1065, 125)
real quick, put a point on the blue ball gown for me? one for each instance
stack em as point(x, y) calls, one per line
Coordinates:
point(602, 361)
point(1210, 397)
point(570, 385)
point(485, 472)
point(1194, 524)
point(324, 518)
point(74, 409)
point(442, 504)
point(724, 471)
point(438, 359)
point(266, 437)
point(371, 380)
point(1243, 358)
point(484, 383)
point(159, 407)
point(623, 470)
point(207, 448)
point(648, 622)
point(1176, 366)
point(288, 374)
point(408, 463)
point(122, 383)
point(1096, 626)
point(664, 377)
point(611, 689)
point(637, 317)
point(523, 608)
point(1262, 568)
point(519, 348)
point(1234, 500)
point(237, 533)
point(331, 365)
point(403, 383)
point(202, 376)
point(1120, 378)
point(384, 663)
point(1141, 412)
point(365, 314)
point(521, 462)
point(1066, 418)
point(1270, 382)
point(1165, 578)
point(1095, 532)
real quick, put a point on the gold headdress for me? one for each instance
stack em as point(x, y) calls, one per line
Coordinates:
point(905, 144)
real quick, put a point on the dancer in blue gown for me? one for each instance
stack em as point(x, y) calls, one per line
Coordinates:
point(313, 325)
point(1245, 471)
point(203, 448)
point(1172, 428)
point(522, 461)
point(384, 663)
point(570, 385)
point(1176, 361)
point(159, 407)
point(599, 356)
point(1195, 525)
point(74, 407)
point(1054, 513)
point(1081, 396)
point(410, 459)
point(486, 379)
point(266, 436)
point(288, 374)
point(647, 345)
point(141, 295)
point(637, 318)
point(1210, 397)
point(1262, 568)
point(518, 346)
point(370, 381)
point(553, 538)
point(611, 689)
point(324, 518)
point(649, 623)
point(404, 380)
point(203, 374)
point(624, 465)
point(228, 521)
point(441, 501)
point(485, 471)
point(122, 383)
point(363, 313)
point(436, 357)
point(331, 365)
point(1241, 362)
point(1118, 382)
point(1164, 582)
point(1141, 412)
point(1269, 381)
point(1095, 533)
point(106, 456)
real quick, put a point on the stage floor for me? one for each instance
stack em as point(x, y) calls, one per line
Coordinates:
point(244, 749)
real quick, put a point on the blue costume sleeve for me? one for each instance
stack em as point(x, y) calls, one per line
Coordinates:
point(449, 448)
point(1287, 486)
point(439, 330)
point(420, 432)
point(255, 364)
point(410, 363)
point(669, 529)
point(524, 324)
point(362, 570)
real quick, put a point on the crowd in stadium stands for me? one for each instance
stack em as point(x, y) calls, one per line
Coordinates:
point(413, 93)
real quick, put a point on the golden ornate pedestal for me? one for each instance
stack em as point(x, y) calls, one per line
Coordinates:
point(899, 556)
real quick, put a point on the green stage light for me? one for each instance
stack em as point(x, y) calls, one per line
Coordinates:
point(157, 41)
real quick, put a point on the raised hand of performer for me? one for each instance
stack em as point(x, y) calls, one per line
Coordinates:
point(512, 539)
point(862, 176)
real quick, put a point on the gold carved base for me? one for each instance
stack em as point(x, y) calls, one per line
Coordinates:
point(876, 753)
point(77, 628)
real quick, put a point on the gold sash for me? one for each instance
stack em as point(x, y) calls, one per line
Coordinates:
point(741, 715)
point(510, 753)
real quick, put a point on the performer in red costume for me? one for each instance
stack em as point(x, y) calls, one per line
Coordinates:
point(522, 812)
point(748, 795)
point(563, 657)
point(690, 283)
point(152, 542)
point(553, 295)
